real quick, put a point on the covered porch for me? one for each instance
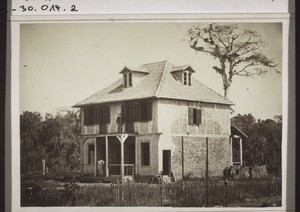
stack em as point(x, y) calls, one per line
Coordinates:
point(237, 137)
point(118, 151)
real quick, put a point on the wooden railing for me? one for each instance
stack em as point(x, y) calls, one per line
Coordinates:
point(115, 169)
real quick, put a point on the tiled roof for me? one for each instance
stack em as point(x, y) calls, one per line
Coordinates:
point(181, 68)
point(159, 83)
point(135, 69)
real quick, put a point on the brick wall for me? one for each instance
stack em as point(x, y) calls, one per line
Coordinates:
point(195, 155)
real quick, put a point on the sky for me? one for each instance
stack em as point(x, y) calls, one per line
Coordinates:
point(64, 63)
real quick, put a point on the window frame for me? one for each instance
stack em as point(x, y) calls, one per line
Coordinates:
point(185, 78)
point(137, 112)
point(142, 154)
point(96, 115)
point(89, 116)
point(195, 116)
point(127, 79)
point(189, 79)
point(90, 157)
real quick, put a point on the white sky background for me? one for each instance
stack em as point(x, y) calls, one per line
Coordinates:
point(62, 64)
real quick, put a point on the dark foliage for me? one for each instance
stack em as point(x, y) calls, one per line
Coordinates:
point(263, 145)
point(53, 138)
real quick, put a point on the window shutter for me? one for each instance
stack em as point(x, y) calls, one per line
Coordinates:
point(134, 112)
point(96, 115)
point(138, 112)
point(149, 111)
point(100, 115)
point(191, 116)
point(84, 116)
point(126, 115)
point(107, 115)
point(123, 112)
point(199, 116)
point(129, 113)
point(125, 80)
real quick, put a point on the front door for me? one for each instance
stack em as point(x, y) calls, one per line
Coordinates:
point(166, 162)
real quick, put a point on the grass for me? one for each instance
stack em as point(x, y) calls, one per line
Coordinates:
point(193, 194)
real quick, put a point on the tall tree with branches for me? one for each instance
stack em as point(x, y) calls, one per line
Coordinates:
point(239, 52)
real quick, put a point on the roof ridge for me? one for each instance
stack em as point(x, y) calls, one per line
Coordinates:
point(161, 79)
point(163, 61)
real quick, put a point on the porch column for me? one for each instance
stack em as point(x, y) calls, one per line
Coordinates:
point(122, 158)
point(106, 156)
point(95, 157)
point(231, 146)
point(241, 151)
point(122, 139)
point(81, 156)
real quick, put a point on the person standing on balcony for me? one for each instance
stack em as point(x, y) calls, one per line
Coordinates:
point(100, 166)
point(120, 122)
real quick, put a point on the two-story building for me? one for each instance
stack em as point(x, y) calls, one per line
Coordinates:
point(166, 116)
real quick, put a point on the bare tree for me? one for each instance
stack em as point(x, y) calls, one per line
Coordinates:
point(238, 52)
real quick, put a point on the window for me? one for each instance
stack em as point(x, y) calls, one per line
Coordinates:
point(133, 112)
point(96, 115)
point(145, 112)
point(184, 78)
point(130, 79)
point(125, 80)
point(127, 77)
point(91, 154)
point(89, 118)
point(145, 154)
point(103, 115)
point(189, 79)
point(195, 116)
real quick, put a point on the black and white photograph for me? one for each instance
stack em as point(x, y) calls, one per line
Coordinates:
point(151, 114)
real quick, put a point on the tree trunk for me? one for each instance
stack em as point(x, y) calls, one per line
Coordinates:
point(226, 90)
point(226, 84)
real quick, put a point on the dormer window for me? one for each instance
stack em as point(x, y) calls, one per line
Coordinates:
point(132, 75)
point(127, 77)
point(183, 74)
point(187, 78)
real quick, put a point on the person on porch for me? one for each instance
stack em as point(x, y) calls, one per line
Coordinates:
point(100, 166)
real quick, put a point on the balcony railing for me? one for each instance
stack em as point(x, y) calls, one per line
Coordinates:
point(115, 169)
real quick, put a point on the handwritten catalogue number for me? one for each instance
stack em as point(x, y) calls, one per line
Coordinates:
point(46, 8)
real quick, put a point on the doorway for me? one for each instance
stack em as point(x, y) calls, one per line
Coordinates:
point(166, 162)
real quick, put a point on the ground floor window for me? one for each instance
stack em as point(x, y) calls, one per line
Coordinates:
point(91, 154)
point(145, 154)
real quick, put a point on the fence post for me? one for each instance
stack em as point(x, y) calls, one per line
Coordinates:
point(161, 194)
point(182, 157)
point(183, 193)
point(131, 195)
point(206, 173)
point(225, 184)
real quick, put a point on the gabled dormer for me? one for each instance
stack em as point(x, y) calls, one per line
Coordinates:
point(132, 75)
point(183, 74)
